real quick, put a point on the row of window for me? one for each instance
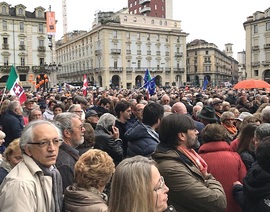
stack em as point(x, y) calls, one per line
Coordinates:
point(267, 27)
point(21, 26)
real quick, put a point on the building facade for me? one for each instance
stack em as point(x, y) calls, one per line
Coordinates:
point(119, 49)
point(257, 29)
point(25, 45)
point(153, 8)
point(241, 58)
point(206, 60)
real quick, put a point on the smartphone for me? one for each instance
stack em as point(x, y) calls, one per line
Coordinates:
point(110, 128)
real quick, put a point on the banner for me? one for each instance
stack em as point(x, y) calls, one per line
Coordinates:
point(50, 21)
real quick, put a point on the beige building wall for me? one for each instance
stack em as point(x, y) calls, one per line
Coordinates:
point(257, 29)
point(122, 48)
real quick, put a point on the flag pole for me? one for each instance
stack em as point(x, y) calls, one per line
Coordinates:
point(4, 92)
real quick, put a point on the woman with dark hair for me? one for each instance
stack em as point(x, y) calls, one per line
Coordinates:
point(226, 166)
point(246, 148)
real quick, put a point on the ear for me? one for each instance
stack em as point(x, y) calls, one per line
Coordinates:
point(27, 150)
point(181, 136)
point(66, 133)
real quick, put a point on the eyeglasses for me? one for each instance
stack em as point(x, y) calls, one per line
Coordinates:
point(78, 111)
point(161, 184)
point(45, 143)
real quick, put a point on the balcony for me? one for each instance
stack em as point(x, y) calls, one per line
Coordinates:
point(266, 63)
point(5, 46)
point(178, 54)
point(178, 70)
point(167, 54)
point(129, 69)
point(128, 51)
point(116, 70)
point(255, 48)
point(267, 46)
point(41, 48)
point(115, 51)
point(148, 52)
point(5, 68)
point(144, 1)
point(167, 69)
point(158, 53)
point(139, 52)
point(145, 9)
point(255, 64)
point(22, 47)
point(23, 69)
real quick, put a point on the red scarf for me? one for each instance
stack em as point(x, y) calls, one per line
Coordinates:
point(195, 158)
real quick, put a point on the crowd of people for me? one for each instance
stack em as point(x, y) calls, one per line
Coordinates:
point(181, 149)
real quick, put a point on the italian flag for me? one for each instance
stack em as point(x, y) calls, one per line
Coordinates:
point(14, 87)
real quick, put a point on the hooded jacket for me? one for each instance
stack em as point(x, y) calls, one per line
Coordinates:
point(142, 140)
point(189, 190)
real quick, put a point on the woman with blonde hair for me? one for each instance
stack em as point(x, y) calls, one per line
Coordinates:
point(93, 171)
point(12, 156)
point(138, 186)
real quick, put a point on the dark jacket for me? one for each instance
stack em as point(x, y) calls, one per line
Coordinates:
point(13, 125)
point(65, 163)
point(143, 140)
point(105, 142)
point(255, 191)
point(122, 127)
point(189, 190)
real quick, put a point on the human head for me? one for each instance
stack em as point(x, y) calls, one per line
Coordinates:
point(29, 104)
point(93, 169)
point(80, 100)
point(13, 153)
point(105, 103)
point(235, 111)
point(227, 118)
point(217, 104)
point(35, 114)
point(179, 108)
point(152, 114)
point(106, 120)
point(15, 106)
point(265, 114)
point(174, 130)
point(77, 109)
point(92, 117)
point(263, 154)
point(195, 110)
point(2, 137)
point(41, 131)
point(150, 193)
point(51, 104)
point(139, 111)
point(71, 127)
point(262, 131)
point(207, 115)
point(246, 138)
point(58, 108)
point(165, 99)
point(123, 110)
point(226, 106)
point(213, 132)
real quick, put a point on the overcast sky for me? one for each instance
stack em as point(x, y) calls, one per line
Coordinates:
point(217, 22)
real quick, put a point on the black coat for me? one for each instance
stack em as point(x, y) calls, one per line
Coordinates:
point(13, 125)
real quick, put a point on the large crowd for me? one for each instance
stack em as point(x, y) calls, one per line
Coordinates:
point(121, 150)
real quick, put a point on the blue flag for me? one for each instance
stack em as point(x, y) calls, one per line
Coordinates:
point(205, 83)
point(149, 83)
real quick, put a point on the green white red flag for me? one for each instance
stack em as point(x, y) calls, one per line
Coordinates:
point(14, 87)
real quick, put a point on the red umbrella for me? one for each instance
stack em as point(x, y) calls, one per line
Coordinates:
point(251, 83)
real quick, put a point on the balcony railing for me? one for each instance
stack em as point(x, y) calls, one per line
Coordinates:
point(129, 69)
point(267, 46)
point(41, 48)
point(98, 52)
point(167, 69)
point(5, 68)
point(158, 53)
point(167, 54)
point(255, 48)
point(144, 1)
point(21, 47)
point(178, 70)
point(23, 69)
point(115, 51)
point(139, 52)
point(148, 52)
point(178, 54)
point(128, 51)
point(266, 63)
point(118, 69)
point(5, 46)
point(255, 64)
point(145, 9)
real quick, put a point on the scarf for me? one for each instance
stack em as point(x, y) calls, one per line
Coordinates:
point(231, 130)
point(195, 158)
point(57, 189)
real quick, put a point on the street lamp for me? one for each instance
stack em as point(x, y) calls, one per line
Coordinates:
point(51, 69)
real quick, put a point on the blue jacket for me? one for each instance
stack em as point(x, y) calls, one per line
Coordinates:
point(142, 140)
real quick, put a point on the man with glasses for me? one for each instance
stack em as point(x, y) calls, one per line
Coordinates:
point(77, 109)
point(73, 135)
point(35, 184)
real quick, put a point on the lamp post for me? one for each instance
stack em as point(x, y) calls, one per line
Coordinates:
point(51, 69)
